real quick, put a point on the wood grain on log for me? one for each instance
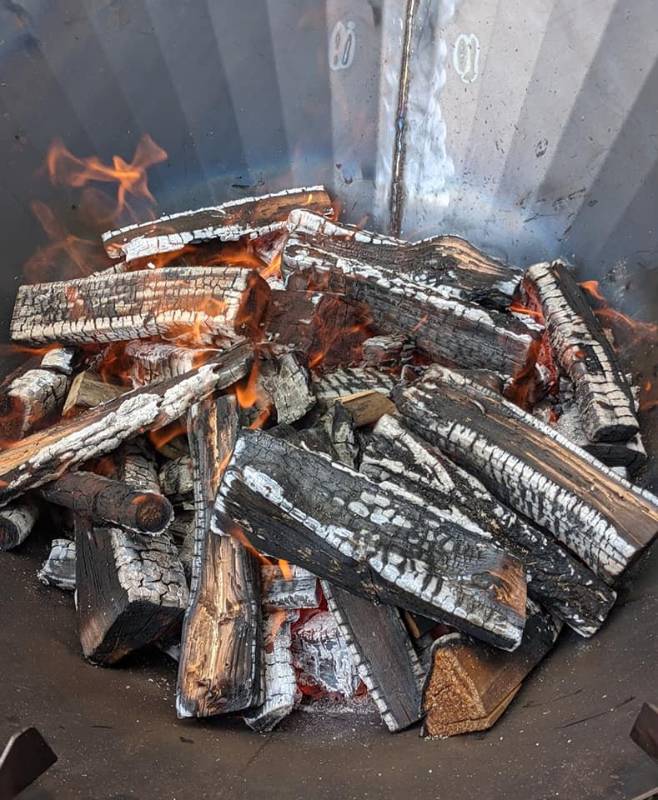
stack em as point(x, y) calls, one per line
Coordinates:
point(249, 216)
point(59, 568)
point(88, 391)
point(442, 325)
point(387, 351)
point(157, 361)
point(220, 665)
point(447, 263)
point(396, 456)
point(602, 518)
point(298, 590)
point(30, 399)
point(111, 502)
point(16, 523)
point(197, 302)
point(367, 407)
point(470, 684)
point(581, 347)
point(43, 456)
point(383, 653)
point(335, 522)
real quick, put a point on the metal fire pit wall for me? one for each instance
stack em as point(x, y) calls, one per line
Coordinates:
point(528, 126)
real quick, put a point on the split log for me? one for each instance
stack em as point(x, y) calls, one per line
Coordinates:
point(30, 399)
point(346, 381)
point(445, 326)
point(156, 361)
point(43, 456)
point(280, 683)
point(88, 391)
point(383, 653)
point(177, 478)
point(60, 359)
point(367, 407)
point(291, 389)
point(199, 302)
point(470, 684)
point(446, 263)
point(299, 590)
point(59, 568)
point(335, 522)
point(16, 523)
point(399, 459)
point(581, 347)
point(602, 518)
point(220, 665)
point(131, 591)
point(111, 502)
point(387, 351)
point(250, 216)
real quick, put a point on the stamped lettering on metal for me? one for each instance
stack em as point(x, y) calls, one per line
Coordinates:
point(466, 57)
point(342, 44)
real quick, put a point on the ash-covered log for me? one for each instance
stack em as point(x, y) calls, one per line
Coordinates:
point(291, 389)
point(60, 359)
point(470, 684)
point(280, 684)
point(442, 324)
point(297, 590)
point(250, 216)
point(581, 347)
point(157, 361)
point(383, 653)
point(600, 517)
point(345, 381)
point(29, 399)
point(88, 391)
point(387, 351)
point(447, 263)
point(336, 523)
point(177, 478)
point(562, 584)
point(45, 455)
point(198, 302)
point(59, 568)
point(111, 502)
point(16, 523)
point(136, 464)
point(220, 665)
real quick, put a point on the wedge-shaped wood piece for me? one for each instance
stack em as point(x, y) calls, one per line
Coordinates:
point(59, 568)
point(470, 684)
point(131, 590)
point(599, 516)
point(367, 407)
point(45, 455)
point(26, 756)
point(16, 523)
point(447, 263)
point(445, 326)
point(111, 502)
point(581, 347)
point(556, 579)
point(250, 216)
point(88, 391)
point(201, 303)
point(383, 653)
point(645, 730)
point(29, 399)
point(220, 664)
point(331, 520)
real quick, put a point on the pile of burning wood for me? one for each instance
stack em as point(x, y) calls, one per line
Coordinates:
point(323, 461)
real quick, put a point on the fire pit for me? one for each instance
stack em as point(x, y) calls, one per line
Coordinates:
point(420, 425)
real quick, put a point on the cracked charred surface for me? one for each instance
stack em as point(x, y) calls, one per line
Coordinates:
point(43, 456)
point(298, 590)
point(604, 398)
point(600, 517)
point(209, 301)
point(157, 361)
point(220, 665)
point(249, 216)
point(29, 399)
point(558, 581)
point(59, 567)
point(335, 522)
point(16, 522)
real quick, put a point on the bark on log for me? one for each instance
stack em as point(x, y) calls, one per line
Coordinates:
point(111, 502)
point(383, 653)
point(442, 325)
point(30, 399)
point(558, 581)
point(582, 349)
point(44, 456)
point(280, 683)
point(16, 523)
point(88, 391)
point(131, 591)
point(59, 568)
point(201, 303)
point(220, 665)
point(331, 520)
point(602, 518)
point(446, 263)
point(345, 381)
point(250, 216)
point(157, 361)
point(470, 684)
point(300, 590)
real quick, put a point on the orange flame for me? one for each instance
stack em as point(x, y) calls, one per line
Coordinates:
point(284, 566)
point(594, 289)
point(161, 437)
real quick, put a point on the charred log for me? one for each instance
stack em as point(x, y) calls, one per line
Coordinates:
point(30, 399)
point(288, 593)
point(387, 351)
point(331, 520)
point(199, 302)
point(88, 391)
point(177, 478)
point(157, 361)
point(219, 669)
point(60, 359)
point(346, 381)
point(602, 518)
point(59, 568)
point(45, 455)
point(16, 523)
